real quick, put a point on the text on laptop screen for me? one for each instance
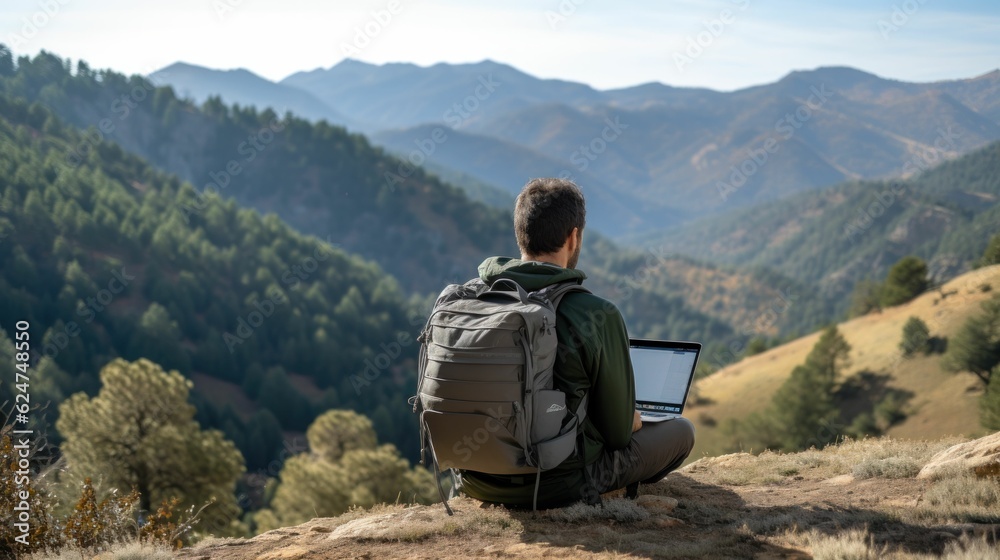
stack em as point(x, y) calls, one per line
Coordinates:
point(661, 374)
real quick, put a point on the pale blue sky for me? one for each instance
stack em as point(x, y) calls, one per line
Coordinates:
point(599, 42)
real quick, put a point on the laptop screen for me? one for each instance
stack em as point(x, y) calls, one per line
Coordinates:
point(663, 373)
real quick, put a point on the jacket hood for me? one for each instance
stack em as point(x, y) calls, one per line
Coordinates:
point(531, 275)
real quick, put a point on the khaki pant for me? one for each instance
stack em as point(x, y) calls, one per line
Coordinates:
point(656, 449)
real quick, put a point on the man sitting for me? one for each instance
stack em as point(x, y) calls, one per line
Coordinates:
point(593, 360)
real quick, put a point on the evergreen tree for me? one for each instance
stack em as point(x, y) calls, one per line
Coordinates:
point(6, 61)
point(345, 468)
point(989, 403)
point(907, 279)
point(916, 337)
point(263, 439)
point(139, 431)
point(803, 410)
point(992, 253)
point(158, 339)
point(338, 431)
point(976, 346)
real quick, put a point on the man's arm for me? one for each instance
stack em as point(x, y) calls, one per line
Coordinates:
point(614, 385)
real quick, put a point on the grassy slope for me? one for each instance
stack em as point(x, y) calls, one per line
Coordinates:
point(943, 403)
point(855, 500)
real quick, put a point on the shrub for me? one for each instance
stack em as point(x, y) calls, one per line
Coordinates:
point(916, 337)
point(888, 467)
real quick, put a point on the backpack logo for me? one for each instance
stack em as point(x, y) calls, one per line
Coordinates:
point(555, 408)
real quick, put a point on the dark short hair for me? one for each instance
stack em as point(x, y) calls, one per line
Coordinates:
point(546, 212)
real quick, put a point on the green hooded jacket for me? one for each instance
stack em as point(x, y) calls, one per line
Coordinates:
point(593, 359)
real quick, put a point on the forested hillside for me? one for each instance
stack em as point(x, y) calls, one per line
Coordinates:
point(103, 261)
point(316, 177)
point(321, 180)
point(835, 237)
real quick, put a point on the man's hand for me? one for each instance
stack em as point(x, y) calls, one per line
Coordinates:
point(636, 422)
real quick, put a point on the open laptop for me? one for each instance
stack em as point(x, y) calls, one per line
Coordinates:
point(663, 373)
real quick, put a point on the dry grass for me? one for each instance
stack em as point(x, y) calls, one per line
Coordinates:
point(943, 404)
point(490, 523)
point(615, 509)
point(889, 467)
point(119, 551)
point(960, 499)
point(853, 500)
point(859, 544)
point(868, 458)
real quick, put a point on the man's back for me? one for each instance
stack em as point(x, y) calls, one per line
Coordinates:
point(592, 359)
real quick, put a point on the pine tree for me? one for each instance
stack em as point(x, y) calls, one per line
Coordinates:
point(916, 337)
point(907, 279)
point(346, 467)
point(6, 61)
point(976, 346)
point(992, 254)
point(989, 403)
point(803, 409)
point(139, 431)
point(158, 339)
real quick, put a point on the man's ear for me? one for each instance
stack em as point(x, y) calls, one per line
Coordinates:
point(574, 240)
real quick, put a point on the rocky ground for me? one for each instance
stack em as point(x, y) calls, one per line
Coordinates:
point(876, 498)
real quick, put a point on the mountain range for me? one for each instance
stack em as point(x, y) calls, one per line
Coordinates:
point(410, 237)
point(200, 205)
point(832, 238)
point(285, 265)
point(653, 155)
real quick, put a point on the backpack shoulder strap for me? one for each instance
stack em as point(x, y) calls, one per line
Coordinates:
point(556, 292)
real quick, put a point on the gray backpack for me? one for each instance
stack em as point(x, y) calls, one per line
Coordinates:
point(485, 395)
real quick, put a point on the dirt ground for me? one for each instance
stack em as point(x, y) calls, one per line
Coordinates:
point(858, 500)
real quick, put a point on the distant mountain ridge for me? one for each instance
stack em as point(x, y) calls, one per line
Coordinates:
point(681, 153)
point(402, 95)
point(245, 88)
point(832, 238)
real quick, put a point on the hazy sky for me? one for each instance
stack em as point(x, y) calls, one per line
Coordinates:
point(722, 44)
